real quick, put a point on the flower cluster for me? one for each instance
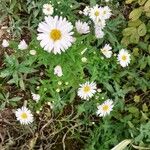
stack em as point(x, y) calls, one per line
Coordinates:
point(56, 35)
point(87, 91)
point(98, 15)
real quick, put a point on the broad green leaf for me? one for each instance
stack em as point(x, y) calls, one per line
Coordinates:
point(129, 31)
point(129, 1)
point(134, 38)
point(147, 6)
point(142, 29)
point(135, 14)
point(135, 23)
point(141, 2)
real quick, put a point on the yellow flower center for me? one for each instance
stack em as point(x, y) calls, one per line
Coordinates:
point(105, 107)
point(124, 58)
point(96, 13)
point(55, 34)
point(86, 89)
point(24, 115)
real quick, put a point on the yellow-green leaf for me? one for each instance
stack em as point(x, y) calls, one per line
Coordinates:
point(135, 14)
point(128, 31)
point(129, 1)
point(141, 2)
point(134, 38)
point(135, 23)
point(145, 107)
point(148, 14)
point(125, 41)
point(147, 6)
point(142, 29)
point(137, 98)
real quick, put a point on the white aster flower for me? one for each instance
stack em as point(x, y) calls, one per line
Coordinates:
point(124, 58)
point(36, 97)
point(87, 90)
point(55, 34)
point(98, 32)
point(5, 43)
point(24, 115)
point(22, 45)
point(105, 108)
point(48, 9)
point(106, 50)
point(32, 52)
point(82, 27)
point(86, 10)
point(95, 13)
point(106, 12)
point(101, 23)
point(58, 71)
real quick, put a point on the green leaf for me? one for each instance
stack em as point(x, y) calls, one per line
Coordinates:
point(134, 38)
point(137, 98)
point(147, 6)
point(129, 31)
point(141, 2)
point(135, 14)
point(142, 29)
point(92, 2)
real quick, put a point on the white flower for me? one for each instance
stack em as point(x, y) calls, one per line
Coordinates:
point(105, 108)
point(36, 97)
point(124, 58)
point(84, 59)
point(87, 90)
point(82, 27)
point(98, 32)
point(106, 12)
point(95, 13)
point(55, 34)
point(101, 23)
point(5, 43)
point(32, 52)
point(22, 45)
point(106, 50)
point(24, 115)
point(48, 9)
point(107, 0)
point(86, 10)
point(58, 71)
